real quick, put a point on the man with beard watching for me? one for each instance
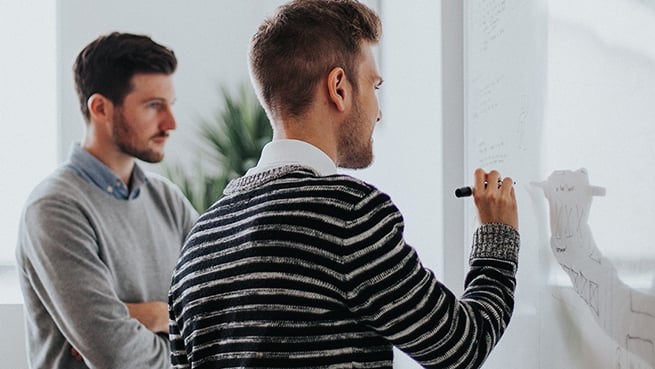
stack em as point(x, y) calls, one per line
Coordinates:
point(99, 237)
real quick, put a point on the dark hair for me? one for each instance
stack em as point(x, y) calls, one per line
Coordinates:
point(107, 64)
point(296, 47)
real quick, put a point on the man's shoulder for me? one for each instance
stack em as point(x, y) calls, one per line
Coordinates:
point(160, 181)
point(162, 190)
point(351, 183)
point(61, 192)
point(63, 184)
point(298, 181)
point(163, 186)
point(302, 177)
point(341, 187)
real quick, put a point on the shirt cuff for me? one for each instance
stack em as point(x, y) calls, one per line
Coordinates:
point(498, 241)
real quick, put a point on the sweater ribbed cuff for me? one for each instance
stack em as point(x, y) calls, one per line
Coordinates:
point(498, 241)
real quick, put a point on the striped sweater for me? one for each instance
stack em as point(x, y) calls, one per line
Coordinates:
point(293, 270)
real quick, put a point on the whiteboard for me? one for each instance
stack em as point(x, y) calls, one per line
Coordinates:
point(559, 85)
point(504, 87)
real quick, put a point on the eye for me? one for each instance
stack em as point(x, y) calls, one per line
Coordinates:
point(155, 105)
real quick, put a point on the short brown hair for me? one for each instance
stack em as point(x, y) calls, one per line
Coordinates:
point(302, 42)
point(107, 64)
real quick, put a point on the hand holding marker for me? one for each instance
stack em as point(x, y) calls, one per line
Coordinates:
point(468, 191)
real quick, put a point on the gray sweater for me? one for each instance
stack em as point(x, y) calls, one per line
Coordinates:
point(82, 253)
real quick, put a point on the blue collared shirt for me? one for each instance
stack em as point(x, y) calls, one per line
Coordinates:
point(94, 171)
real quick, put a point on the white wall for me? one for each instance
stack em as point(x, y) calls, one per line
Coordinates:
point(12, 337)
point(27, 145)
point(27, 109)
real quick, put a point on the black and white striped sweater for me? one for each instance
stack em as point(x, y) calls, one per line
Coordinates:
point(293, 270)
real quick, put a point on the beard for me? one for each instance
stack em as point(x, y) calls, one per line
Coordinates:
point(355, 145)
point(127, 140)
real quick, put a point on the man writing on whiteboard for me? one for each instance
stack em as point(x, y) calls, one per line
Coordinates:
point(298, 266)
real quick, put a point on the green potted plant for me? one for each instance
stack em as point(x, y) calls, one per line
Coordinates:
point(233, 143)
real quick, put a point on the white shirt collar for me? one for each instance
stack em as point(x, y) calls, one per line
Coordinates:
point(278, 153)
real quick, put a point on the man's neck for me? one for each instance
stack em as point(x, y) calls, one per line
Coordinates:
point(307, 131)
point(119, 163)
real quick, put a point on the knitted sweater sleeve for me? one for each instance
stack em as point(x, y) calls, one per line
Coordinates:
point(389, 289)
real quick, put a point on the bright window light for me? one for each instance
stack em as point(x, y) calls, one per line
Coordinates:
point(599, 115)
point(27, 109)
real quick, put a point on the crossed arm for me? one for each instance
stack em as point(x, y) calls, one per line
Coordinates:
point(152, 314)
point(77, 293)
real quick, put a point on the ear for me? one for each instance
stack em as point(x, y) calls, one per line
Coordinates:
point(338, 89)
point(100, 108)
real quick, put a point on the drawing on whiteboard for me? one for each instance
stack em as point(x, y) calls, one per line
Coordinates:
point(626, 360)
point(625, 314)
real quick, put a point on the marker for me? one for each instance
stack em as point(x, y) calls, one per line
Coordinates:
point(464, 192)
point(468, 191)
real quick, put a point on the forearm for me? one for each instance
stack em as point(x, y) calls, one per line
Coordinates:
point(89, 316)
point(488, 300)
point(152, 314)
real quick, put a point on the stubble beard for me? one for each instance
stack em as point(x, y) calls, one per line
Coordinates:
point(355, 150)
point(123, 138)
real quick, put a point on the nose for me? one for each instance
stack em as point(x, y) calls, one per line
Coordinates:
point(168, 122)
point(379, 115)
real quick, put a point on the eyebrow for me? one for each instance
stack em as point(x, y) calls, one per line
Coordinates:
point(160, 99)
